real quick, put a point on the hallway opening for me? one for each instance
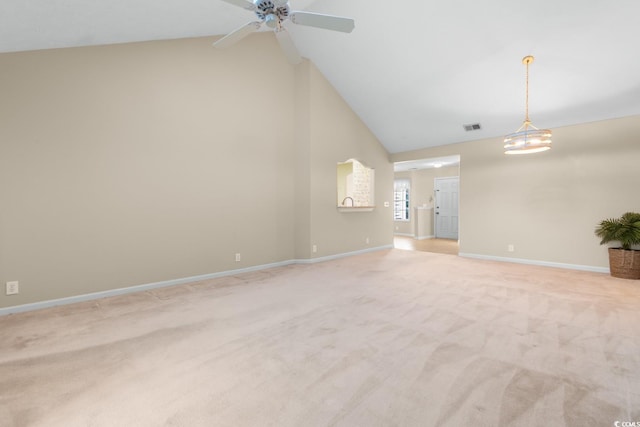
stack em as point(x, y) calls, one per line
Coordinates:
point(440, 246)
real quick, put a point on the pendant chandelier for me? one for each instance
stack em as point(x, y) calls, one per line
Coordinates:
point(528, 138)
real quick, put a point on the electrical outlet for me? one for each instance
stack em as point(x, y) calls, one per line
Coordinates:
point(367, 240)
point(314, 249)
point(237, 257)
point(13, 288)
point(511, 248)
point(386, 204)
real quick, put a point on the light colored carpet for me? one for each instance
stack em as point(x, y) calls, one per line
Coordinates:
point(392, 338)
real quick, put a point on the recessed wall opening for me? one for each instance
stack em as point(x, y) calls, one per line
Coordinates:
point(356, 184)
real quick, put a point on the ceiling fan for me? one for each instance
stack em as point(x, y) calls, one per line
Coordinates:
point(273, 13)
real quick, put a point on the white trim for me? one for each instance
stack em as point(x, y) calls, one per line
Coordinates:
point(150, 286)
point(536, 262)
point(131, 289)
point(425, 237)
point(343, 255)
point(347, 209)
point(403, 234)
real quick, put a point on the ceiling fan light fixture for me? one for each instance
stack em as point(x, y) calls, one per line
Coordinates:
point(271, 20)
point(273, 13)
point(528, 139)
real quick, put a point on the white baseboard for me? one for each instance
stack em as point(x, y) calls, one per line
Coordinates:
point(150, 286)
point(414, 236)
point(536, 262)
point(131, 289)
point(343, 255)
point(425, 237)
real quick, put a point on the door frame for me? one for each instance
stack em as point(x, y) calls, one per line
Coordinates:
point(435, 198)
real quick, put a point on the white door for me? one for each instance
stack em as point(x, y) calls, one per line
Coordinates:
point(446, 208)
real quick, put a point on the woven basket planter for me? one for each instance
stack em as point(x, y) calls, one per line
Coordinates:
point(624, 264)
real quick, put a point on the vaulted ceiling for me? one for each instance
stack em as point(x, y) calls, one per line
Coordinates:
point(415, 71)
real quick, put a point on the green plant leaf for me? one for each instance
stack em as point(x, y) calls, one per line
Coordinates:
point(625, 230)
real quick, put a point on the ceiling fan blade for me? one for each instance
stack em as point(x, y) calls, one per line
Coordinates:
point(286, 44)
point(237, 35)
point(328, 22)
point(242, 3)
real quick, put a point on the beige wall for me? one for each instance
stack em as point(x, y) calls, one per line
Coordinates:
point(131, 164)
point(336, 135)
point(421, 193)
point(547, 205)
point(302, 149)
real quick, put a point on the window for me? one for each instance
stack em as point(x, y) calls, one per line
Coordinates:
point(401, 200)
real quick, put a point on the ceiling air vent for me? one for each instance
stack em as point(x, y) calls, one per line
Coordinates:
point(469, 128)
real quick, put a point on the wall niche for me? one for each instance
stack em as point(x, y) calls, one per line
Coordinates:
point(355, 186)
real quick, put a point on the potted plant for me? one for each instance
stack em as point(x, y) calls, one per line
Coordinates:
point(624, 261)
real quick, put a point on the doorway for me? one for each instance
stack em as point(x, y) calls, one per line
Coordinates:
point(417, 229)
point(439, 246)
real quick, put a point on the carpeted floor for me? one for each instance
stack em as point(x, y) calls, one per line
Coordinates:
point(391, 338)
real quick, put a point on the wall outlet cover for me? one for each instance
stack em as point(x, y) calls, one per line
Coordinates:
point(13, 288)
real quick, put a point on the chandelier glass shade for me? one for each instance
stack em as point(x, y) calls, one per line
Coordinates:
point(528, 138)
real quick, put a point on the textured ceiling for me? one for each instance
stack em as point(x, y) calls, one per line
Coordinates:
point(414, 71)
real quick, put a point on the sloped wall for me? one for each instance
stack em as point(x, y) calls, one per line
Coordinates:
point(336, 134)
point(132, 164)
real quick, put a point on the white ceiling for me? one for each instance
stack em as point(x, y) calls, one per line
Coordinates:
point(415, 71)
